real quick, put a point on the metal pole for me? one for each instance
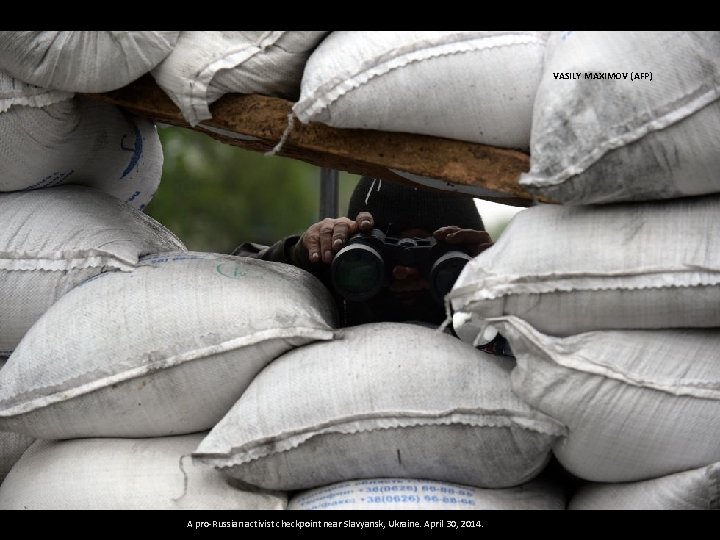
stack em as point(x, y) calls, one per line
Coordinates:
point(328, 193)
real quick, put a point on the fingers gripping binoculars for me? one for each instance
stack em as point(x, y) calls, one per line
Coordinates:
point(360, 269)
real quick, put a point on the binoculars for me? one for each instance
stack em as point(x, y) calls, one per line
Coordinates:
point(360, 269)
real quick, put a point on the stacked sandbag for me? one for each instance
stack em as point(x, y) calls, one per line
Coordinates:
point(638, 404)
point(83, 61)
point(612, 312)
point(15, 92)
point(165, 349)
point(53, 239)
point(51, 141)
point(612, 309)
point(474, 86)
point(572, 269)
point(697, 489)
point(627, 116)
point(124, 474)
point(393, 400)
point(410, 494)
point(205, 65)
point(12, 445)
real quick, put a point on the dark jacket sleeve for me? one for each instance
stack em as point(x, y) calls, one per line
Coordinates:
point(283, 251)
point(280, 251)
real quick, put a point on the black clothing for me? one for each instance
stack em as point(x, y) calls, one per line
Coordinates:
point(397, 207)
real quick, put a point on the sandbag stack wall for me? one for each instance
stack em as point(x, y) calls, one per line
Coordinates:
point(112, 429)
point(609, 300)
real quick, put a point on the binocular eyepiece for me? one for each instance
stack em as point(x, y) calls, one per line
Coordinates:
point(360, 269)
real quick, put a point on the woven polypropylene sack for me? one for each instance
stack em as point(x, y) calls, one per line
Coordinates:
point(12, 445)
point(84, 142)
point(697, 489)
point(83, 61)
point(206, 65)
point(382, 400)
point(638, 404)
point(410, 494)
point(571, 269)
point(53, 239)
point(650, 131)
point(166, 349)
point(124, 474)
point(474, 86)
point(14, 93)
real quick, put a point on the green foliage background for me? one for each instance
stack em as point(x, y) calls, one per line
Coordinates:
point(215, 196)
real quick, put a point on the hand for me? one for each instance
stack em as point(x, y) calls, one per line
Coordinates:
point(474, 241)
point(325, 238)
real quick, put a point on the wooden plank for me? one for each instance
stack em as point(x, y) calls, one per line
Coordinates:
point(259, 122)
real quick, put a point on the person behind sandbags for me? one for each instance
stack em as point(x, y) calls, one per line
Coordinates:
point(399, 212)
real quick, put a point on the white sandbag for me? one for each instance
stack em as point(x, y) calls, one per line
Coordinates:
point(474, 86)
point(698, 489)
point(163, 350)
point(12, 446)
point(410, 494)
point(128, 164)
point(84, 142)
point(124, 474)
point(205, 65)
point(83, 61)
point(15, 92)
point(637, 404)
point(53, 239)
point(383, 400)
point(571, 269)
point(650, 131)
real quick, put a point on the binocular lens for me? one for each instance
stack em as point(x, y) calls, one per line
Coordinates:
point(358, 272)
point(358, 269)
point(445, 272)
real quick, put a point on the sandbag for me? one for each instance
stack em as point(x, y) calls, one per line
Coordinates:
point(411, 494)
point(54, 239)
point(205, 65)
point(14, 92)
point(83, 61)
point(572, 269)
point(163, 350)
point(382, 400)
point(124, 474)
point(473, 86)
point(637, 404)
point(83, 142)
point(638, 120)
point(12, 445)
point(697, 489)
